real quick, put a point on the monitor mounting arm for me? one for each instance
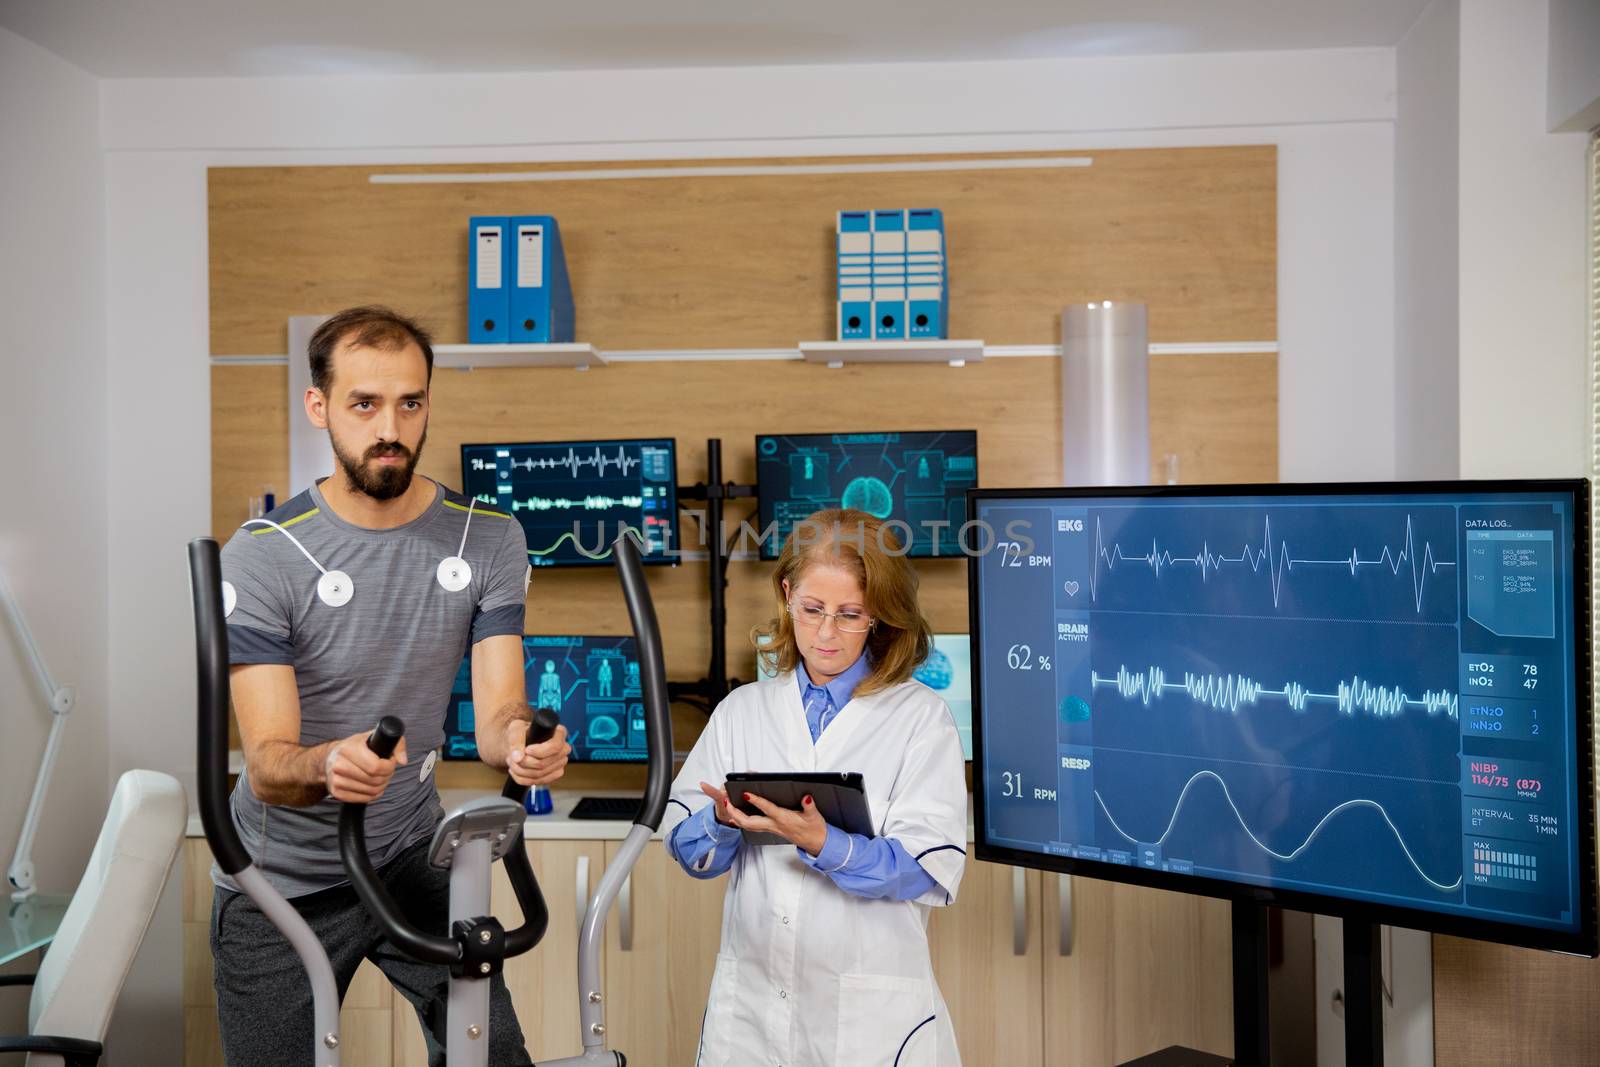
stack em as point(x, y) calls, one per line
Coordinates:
point(59, 699)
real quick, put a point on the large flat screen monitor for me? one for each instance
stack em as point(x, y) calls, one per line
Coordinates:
point(574, 498)
point(591, 682)
point(1361, 700)
point(947, 671)
point(915, 481)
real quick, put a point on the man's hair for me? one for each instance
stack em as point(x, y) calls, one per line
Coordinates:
point(371, 326)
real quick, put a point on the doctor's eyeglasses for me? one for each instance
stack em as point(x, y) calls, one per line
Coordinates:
point(811, 616)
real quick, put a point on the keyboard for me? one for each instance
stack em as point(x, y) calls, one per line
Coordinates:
point(622, 809)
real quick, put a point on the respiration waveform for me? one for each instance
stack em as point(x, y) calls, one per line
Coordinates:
point(1284, 857)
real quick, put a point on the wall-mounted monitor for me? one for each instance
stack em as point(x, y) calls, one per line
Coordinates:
point(1361, 700)
point(574, 498)
point(916, 482)
point(592, 683)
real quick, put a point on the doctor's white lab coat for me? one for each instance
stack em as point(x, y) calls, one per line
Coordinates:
point(809, 975)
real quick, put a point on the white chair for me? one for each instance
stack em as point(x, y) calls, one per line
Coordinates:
point(84, 968)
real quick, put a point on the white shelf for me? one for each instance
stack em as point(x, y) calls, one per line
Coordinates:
point(838, 353)
point(486, 357)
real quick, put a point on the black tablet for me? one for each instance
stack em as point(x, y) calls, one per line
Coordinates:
point(841, 797)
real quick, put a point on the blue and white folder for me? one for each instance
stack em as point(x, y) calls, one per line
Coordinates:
point(854, 241)
point(927, 283)
point(888, 275)
point(488, 268)
point(541, 290)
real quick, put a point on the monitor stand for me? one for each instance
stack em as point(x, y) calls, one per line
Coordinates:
point(1363, 995)
point(714, 491)
point(1363, 998)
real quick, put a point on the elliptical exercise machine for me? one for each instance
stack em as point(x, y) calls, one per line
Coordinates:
point(467, 842)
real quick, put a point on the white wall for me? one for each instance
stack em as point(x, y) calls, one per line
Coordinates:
point(1330, 113)
point(1573, 104)
point(1427, 180)
point(1524, 267)
point(54, 452)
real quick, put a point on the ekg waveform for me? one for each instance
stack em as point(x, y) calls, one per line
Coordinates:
point(1270, 559)
point(574, 463)
point(1284, 857)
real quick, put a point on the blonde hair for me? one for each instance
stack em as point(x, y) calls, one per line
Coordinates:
point(855, 541)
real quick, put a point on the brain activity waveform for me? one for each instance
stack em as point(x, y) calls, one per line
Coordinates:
point(1271, 558)
point(1284, 857)
point(1230, 692)
point(574, 463)
point(588, 503)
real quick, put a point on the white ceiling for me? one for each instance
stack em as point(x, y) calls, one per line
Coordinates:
point(195, 38)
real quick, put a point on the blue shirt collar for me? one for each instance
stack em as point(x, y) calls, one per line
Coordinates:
point(841, 688)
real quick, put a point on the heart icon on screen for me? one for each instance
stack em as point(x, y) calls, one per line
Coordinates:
point(1072, 588)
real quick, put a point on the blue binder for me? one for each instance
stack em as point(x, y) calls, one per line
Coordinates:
point(488, 294)
point(541, 290)
point(853, 235)
point(927, 278)
point(888, 275)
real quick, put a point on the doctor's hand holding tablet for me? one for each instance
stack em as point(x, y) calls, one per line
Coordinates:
point(834, 797)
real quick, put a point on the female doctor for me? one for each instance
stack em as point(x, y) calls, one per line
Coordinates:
point(824, 958)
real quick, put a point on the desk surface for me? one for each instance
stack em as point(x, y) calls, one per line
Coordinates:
point(30, 924)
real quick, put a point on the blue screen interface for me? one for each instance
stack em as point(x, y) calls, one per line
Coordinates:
point(916, 482)
point(592, 683)
point(574, 498)
point(1370, 697)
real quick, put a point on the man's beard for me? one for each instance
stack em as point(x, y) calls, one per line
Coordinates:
point(382, 483)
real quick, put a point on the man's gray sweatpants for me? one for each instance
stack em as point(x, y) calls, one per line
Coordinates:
point(264, 998)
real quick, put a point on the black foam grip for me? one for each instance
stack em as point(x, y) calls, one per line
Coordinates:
point(385, 737)
point(543, 726)
point(211, 657)
point(541, 729)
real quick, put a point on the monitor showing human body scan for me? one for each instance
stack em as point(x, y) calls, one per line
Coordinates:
point(1366, 700)
point(575, 498)
point(591, 683)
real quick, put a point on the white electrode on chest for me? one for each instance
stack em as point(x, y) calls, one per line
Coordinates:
point(335, 588)
point(454, 573)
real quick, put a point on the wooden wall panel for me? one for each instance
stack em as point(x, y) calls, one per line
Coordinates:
point(747, 261)
point(1495, 1005)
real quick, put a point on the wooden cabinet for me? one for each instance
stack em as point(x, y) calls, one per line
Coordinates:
point(657, 978)
point(1143, 969)
point(986, 957)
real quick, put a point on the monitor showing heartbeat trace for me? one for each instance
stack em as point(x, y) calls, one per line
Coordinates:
point(575, 498)
point(1361, 700)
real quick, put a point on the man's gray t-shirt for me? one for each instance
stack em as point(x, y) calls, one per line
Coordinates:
point(393, 649)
